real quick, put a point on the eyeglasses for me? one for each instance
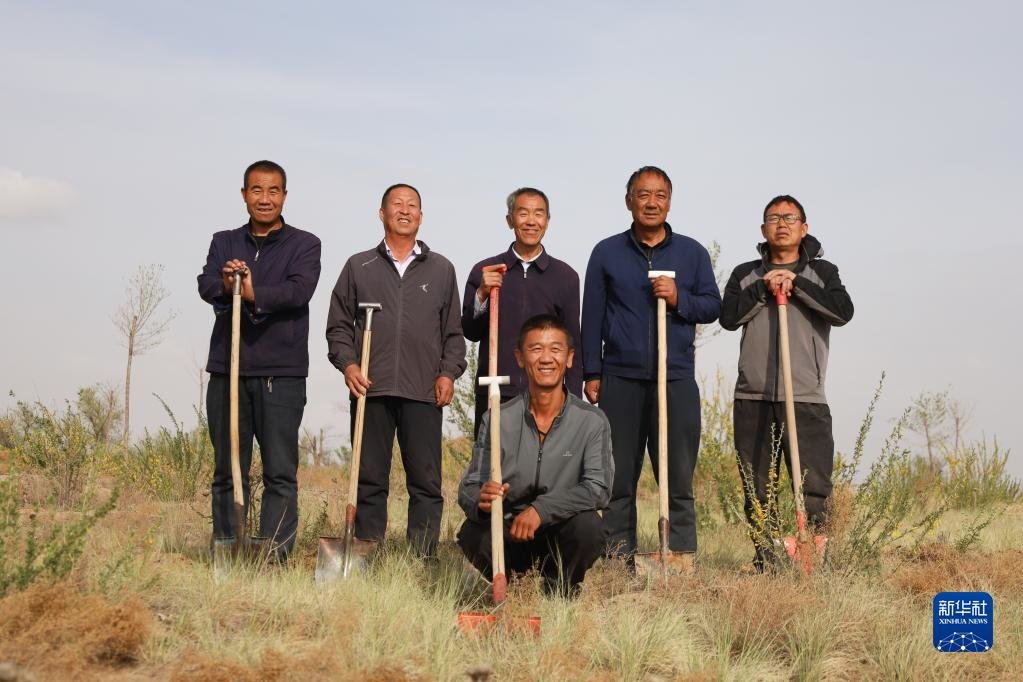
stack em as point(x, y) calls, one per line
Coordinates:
point(789, 218)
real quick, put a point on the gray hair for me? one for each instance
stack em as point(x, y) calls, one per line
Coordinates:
point(528, 190)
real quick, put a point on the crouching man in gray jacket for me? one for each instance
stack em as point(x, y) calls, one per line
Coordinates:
point(557, 467)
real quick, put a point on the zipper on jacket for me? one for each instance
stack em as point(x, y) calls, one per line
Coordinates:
point(269, 384)
point(539, 458)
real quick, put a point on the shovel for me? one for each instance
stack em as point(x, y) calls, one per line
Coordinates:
point(227, 550)
point(338, 557)
point(664, 561)
point(474, 623)
point(803, 549)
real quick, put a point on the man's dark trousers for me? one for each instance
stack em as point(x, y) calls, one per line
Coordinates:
point(631, 407)
point(563, 551)
point(757, 422)
point(269, 408)
point(418, 425)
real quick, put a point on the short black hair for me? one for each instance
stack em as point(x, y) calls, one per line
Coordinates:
point(528, 191)
point(266, 167)
point(545, 321)
point(646, 169)
point(399, 185)
point(782, 199)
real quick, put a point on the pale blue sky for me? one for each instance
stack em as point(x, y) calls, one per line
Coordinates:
point(126, 127)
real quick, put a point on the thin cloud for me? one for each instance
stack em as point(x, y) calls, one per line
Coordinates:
point(23, 196)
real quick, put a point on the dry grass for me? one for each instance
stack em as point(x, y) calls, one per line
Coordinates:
point(144, 604)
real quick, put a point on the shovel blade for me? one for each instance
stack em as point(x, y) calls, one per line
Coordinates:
point(333, 563)
point(807, 552)
point(649, 564)
point(481, 624)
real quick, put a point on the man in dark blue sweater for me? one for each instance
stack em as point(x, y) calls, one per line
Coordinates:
point(283, 265)
point(532, 283)
point(619, 344)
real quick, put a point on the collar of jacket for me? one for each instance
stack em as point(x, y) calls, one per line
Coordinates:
point(272, 236)
point(809, 249)
point(527, 411)
point(424, 249)
point(640, 246)
point(511, 260)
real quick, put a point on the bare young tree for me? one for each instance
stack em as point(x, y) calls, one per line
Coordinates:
point(928, 418)
point(141, 323)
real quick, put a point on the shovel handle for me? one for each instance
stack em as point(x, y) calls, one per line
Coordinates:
point(236, 334)
point(790, 406)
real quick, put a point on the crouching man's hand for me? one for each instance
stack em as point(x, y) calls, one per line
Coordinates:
point(525, 525)
point(490, 491)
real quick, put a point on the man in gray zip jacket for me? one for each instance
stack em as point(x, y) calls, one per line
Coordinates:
point(417, 353)
point(557, 468)
point(791, 260)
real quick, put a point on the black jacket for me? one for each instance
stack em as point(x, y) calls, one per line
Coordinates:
point(275, 328)
point(549, 286)
point(417, 336)
point(818, 302)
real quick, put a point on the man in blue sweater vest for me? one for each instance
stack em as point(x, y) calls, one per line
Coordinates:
point(619, 344)
point(532, 283)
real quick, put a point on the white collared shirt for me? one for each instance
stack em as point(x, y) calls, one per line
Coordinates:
point(402, 265)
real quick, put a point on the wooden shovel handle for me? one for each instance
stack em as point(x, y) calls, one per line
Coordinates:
point(790, 407)
point(236, 334)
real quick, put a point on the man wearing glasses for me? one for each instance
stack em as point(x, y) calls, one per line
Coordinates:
point(619, 331)
point(790, 261)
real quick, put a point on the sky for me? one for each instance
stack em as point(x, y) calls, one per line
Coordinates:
point(126, 128)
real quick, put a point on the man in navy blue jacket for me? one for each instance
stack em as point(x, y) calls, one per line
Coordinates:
point(619, 339)
point(532, 283)
point(283, 265)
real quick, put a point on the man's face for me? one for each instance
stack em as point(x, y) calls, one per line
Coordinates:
point(649, 200)
point(545, 356)
point(400, 213)
point(264, 196)
point(777, 229)
point(528, 218)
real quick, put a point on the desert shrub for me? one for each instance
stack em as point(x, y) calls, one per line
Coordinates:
point(28, 554)
point(61, 446)
point(717, 472)
point(976, 477)
point(171, 464)
point(462, 411)
point(883, 509)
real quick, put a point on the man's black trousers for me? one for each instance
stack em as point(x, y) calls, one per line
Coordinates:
point(562, 552)
point(631, 407)
point(269, 408)
point(418, 425)
point(756, 422)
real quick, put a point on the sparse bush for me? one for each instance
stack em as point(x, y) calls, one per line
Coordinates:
point(60, 446)
point(461, 413)
point(27, 554)
point(884, 509)
point(717, 476)
point(170, 464)
point(976, 476)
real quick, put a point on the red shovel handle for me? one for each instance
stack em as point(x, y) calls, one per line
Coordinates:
point(781, 297)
